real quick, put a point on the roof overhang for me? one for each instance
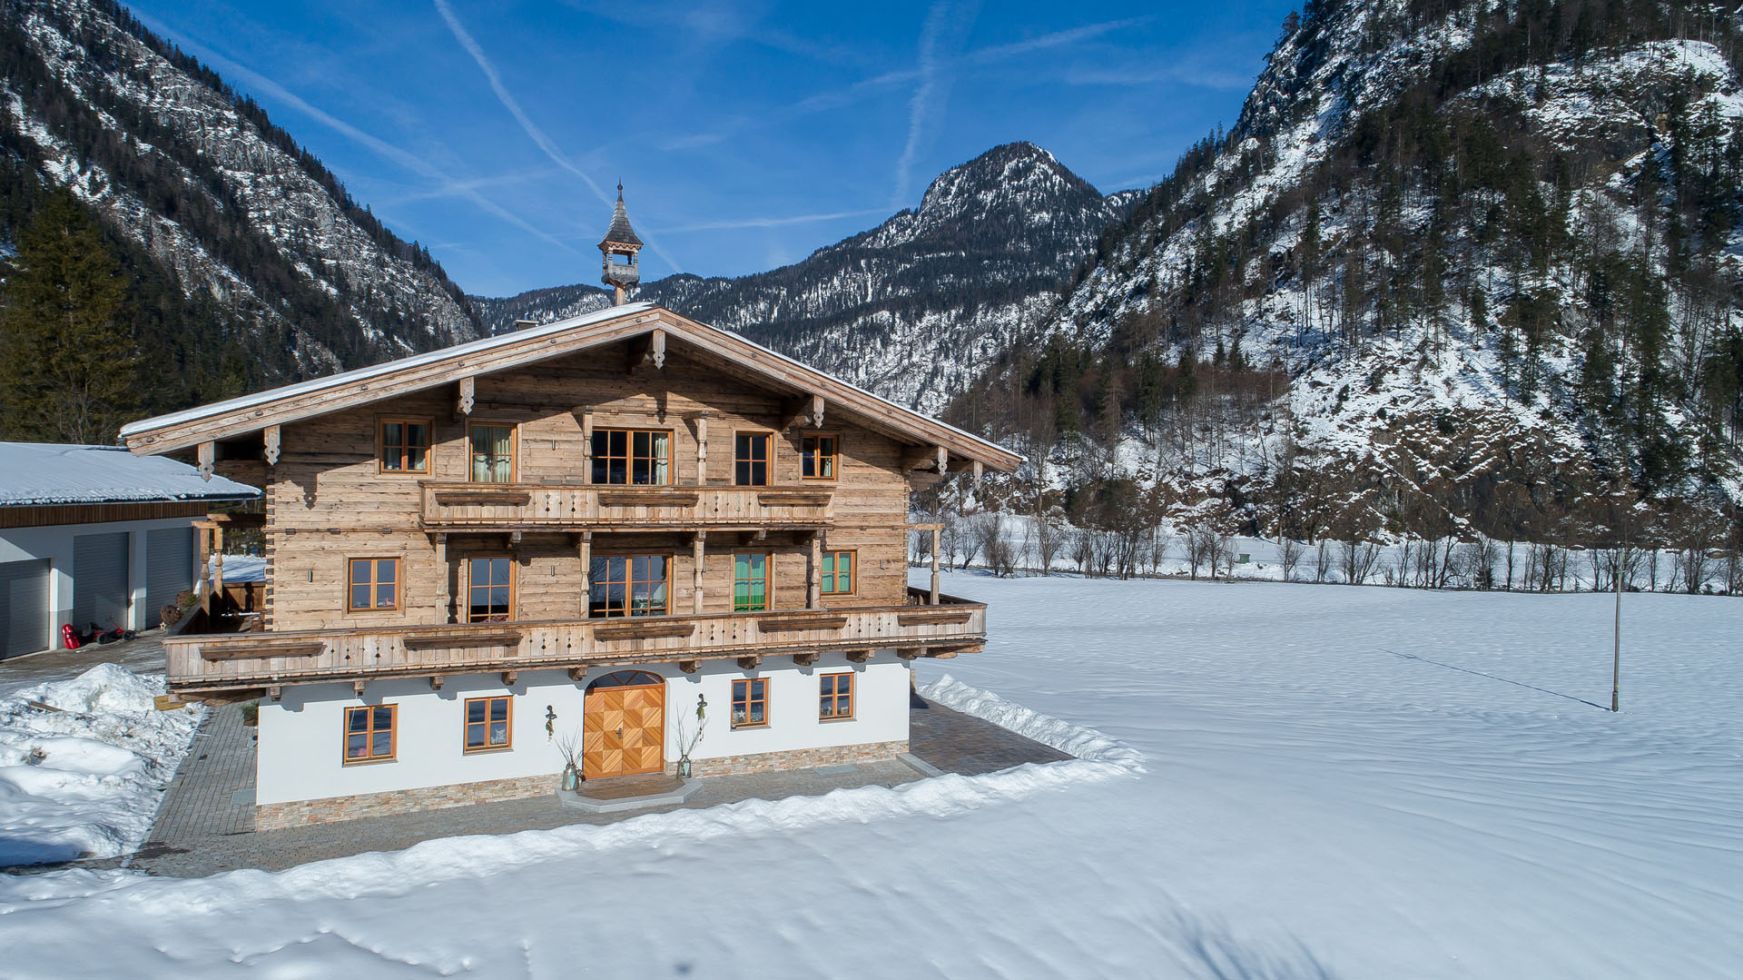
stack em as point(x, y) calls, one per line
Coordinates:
point(420, 372)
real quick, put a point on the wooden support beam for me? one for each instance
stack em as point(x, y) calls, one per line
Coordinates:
point(576, 673)
point(689, 666)
point(702, 451)
point(509, 677)
point(749, 663)
point(814, 572)
point(936, 530)
point(271, 434)
point(859, 656)
point(208, 455)
point(659, 349)
point(698, 556)
point(436, 681)
point(358, 685)
point(941, 459)
point(804, 659)
point(274, 692)
point(444, 576)
point(911, 654)
point(586, 416)
point(816, 411)
point(466, 397)
point(977, 474)
point(585, 547)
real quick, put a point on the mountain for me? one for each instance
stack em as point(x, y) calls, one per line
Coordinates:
point(912, 309)
point(1461, 266)
point(249, 263)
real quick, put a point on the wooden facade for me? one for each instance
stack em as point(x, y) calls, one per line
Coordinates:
point(496, 483)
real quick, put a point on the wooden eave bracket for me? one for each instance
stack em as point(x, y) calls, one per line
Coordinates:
point(804, 659)
point(208, 455)
point(272, 436)
point(750, 663)
point(509, 677)
point(689, 666)
point(467, 397)
point(859, 656)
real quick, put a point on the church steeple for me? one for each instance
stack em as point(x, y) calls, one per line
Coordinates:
point(620, 249)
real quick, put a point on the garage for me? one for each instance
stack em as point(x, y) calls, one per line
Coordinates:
point(100, 580)
point(24, 612)
point(169, 569)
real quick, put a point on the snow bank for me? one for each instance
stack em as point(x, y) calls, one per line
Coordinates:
point(83, 763)
point(1084, 743)
point(51, 473)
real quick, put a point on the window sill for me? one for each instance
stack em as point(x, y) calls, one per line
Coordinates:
point(749, 727)
point(369, 762)
point(835, 721)
point(488, 750)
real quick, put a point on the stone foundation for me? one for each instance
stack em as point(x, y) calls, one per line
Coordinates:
point(739, 765)
point(275, 816)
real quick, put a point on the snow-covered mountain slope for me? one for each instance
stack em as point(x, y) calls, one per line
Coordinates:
point(1458, 264)
point(283, 262)
point(914, 308)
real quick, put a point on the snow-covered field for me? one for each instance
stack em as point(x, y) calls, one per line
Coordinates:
point(1289, 781)
point(83, 763)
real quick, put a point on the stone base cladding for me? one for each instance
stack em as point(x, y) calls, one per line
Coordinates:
point(738, 765)
point(275, 816)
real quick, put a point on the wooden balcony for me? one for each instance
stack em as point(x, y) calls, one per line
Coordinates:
point(560, 507)
point(219, 664)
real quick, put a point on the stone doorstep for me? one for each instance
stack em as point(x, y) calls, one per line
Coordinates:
point(685, 789)
point(277, 816)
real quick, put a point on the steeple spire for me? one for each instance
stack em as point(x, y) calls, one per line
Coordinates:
point(619, 249)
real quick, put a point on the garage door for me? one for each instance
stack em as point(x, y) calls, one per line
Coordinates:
point(100, 580)
point(24, 619)
point(169, 569)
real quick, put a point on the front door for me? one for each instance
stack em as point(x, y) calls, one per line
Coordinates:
point(623, 726)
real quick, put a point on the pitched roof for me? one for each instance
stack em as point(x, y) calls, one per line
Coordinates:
point(620, 233)
point(40, 474)
point(321, 396)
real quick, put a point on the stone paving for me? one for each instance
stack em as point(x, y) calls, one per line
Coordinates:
point(205, 824)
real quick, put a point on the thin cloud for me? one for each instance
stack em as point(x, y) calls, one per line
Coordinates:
point(376, 145)
point(774, 222)
point(537, 135)
point(932, 92)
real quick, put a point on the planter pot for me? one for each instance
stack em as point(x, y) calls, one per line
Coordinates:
point(571, 779)
point(683, 768)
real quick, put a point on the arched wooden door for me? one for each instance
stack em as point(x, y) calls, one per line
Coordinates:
point(623, 725)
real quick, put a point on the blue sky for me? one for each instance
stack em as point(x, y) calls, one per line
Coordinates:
point(746, 133)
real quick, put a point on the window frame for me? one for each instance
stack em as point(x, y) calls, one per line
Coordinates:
point(851, 696)
point(513, 450)
point(834, 456)
point(767, 436)
point(852, 571)
point(513, 582)
point(381, 424)
point(375, 583)
point(629, 558)
point(768, 580)
point(630, 432)
point(466, 725)
point(732, 705)
point(369, 734)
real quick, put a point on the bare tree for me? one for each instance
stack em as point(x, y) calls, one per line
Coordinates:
point(1321, 560)
point(1289, 552)
point(1049, 539)
point(990, 541)
point(1083, 549)
point(1358, 559)
point(1200, 545)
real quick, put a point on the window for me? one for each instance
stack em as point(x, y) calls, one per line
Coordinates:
point(836, 697)
point(489, 590)
point(370, 733)
point(405, 446)
point(637, 457)
point(751, 459)
point(492, 453)
point(750, 582)
point(820, 457)
point(629, 585)
point(750, 702)
point(838, 572)
point(373, 584)
point(488, 724)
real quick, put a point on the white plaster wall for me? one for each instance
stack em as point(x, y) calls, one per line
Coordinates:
point(55, 543)
point(301, 735)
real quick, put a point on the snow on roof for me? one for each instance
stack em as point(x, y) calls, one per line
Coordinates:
point(386, 367)
point(45, 474)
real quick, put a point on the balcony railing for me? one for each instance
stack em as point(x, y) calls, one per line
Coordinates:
point(512, 506)
point(251, 661)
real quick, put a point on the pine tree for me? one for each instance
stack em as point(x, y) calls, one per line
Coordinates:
point(68, 365)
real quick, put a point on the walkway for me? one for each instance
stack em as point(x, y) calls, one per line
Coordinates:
point(206, 822)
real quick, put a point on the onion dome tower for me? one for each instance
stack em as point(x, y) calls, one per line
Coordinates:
point(620, 249)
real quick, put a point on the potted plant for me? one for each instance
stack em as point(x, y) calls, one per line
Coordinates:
point(569, 746)
point(688, 738)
